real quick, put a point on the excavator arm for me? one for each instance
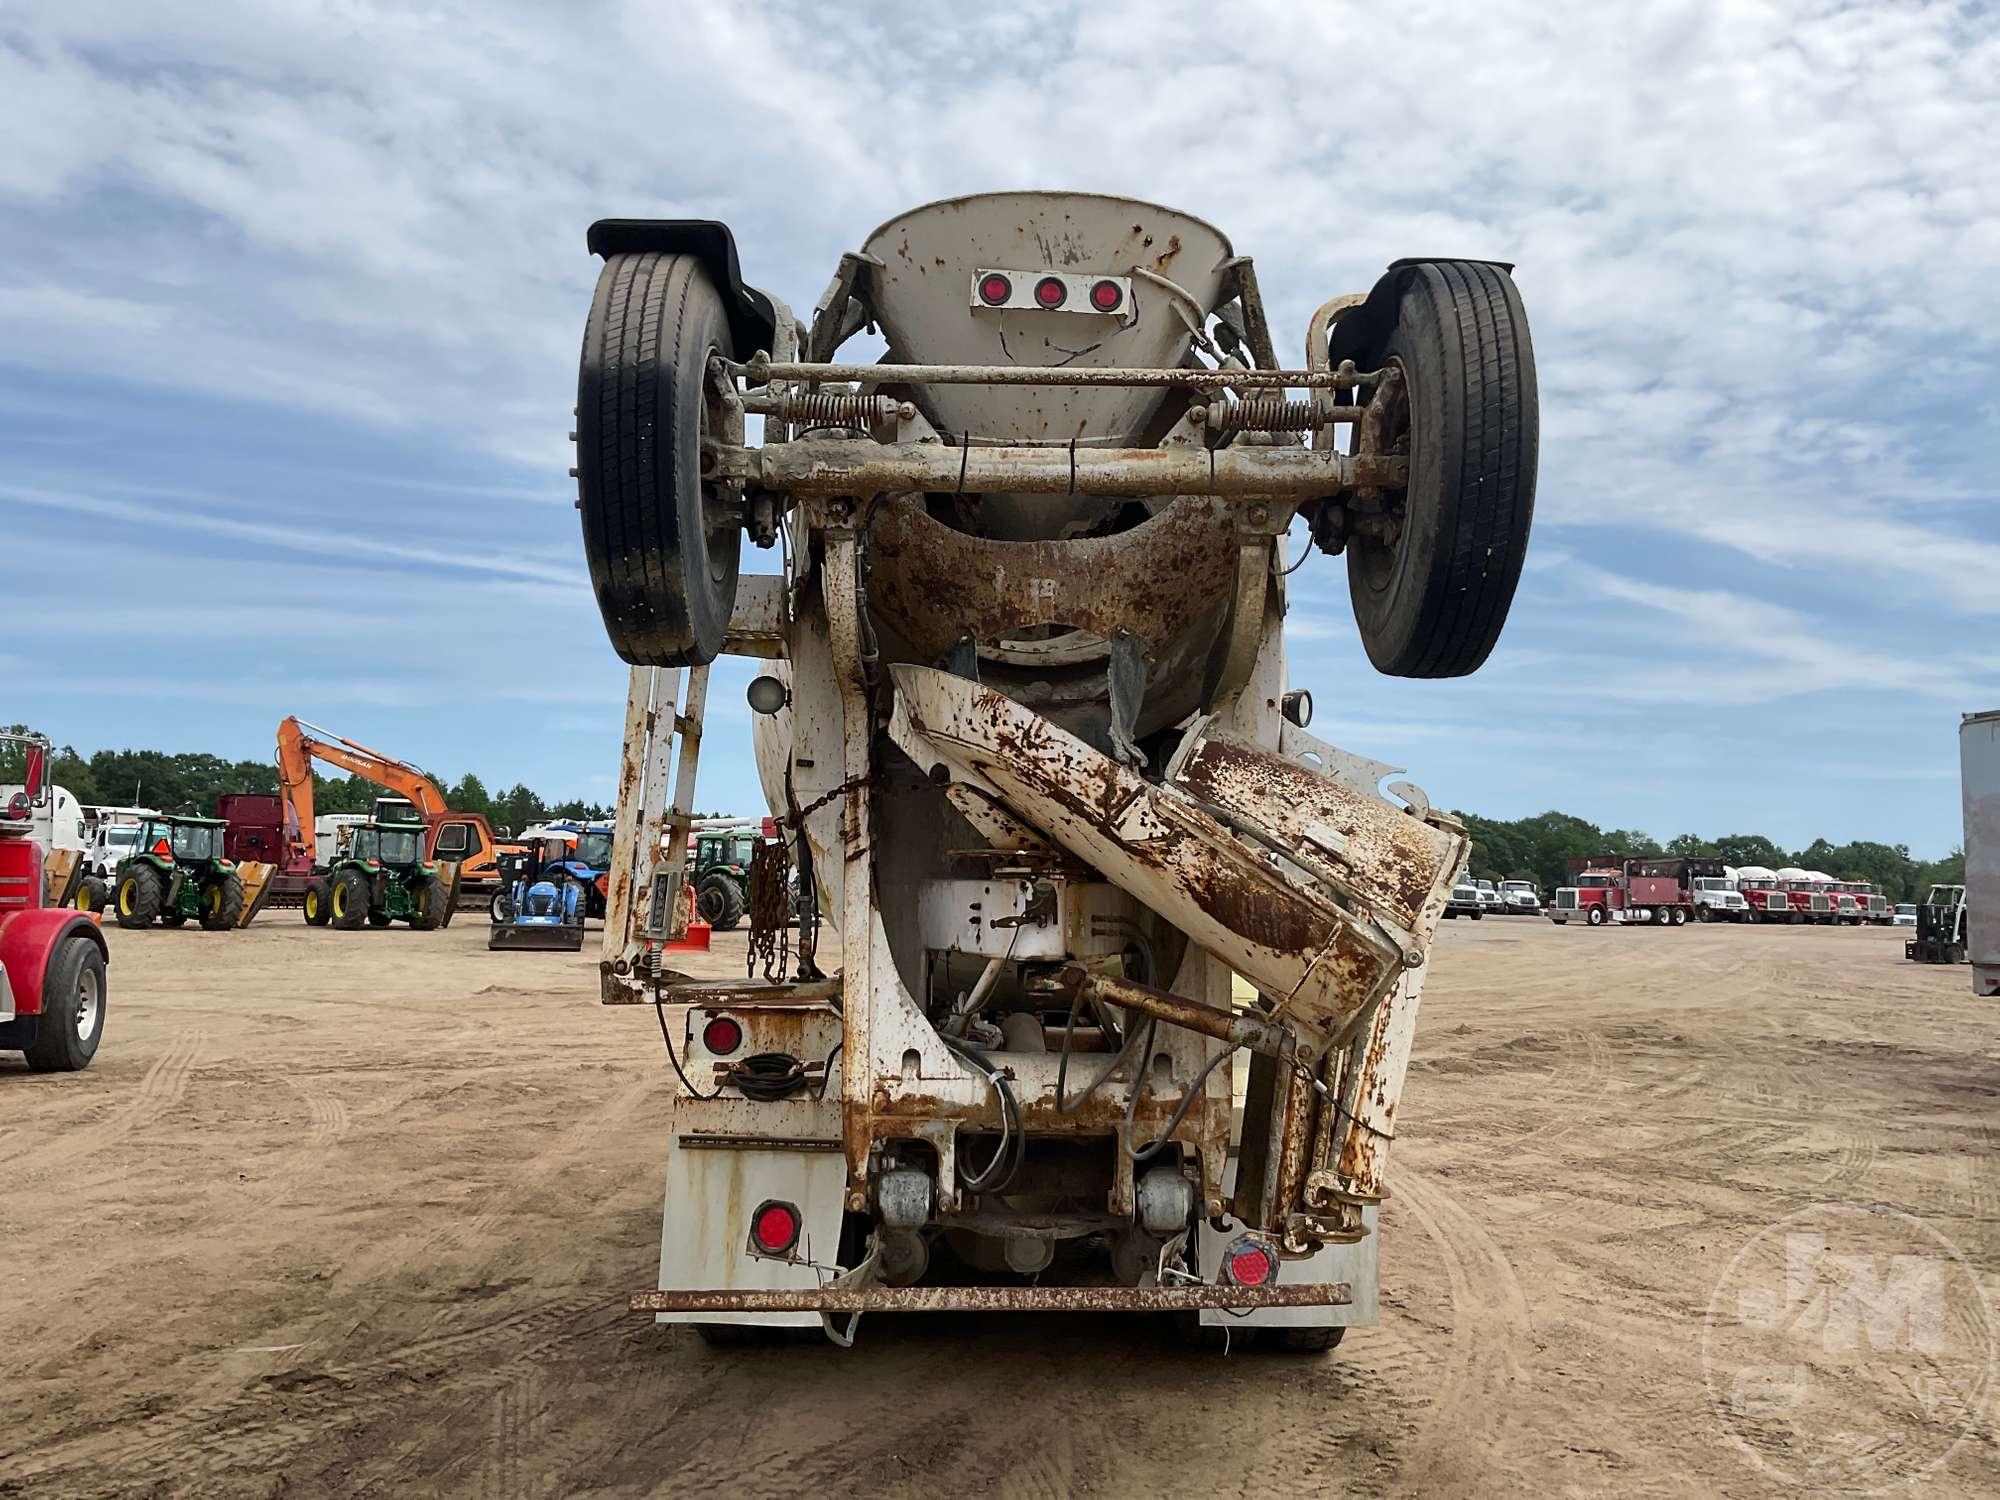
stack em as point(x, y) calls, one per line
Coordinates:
point(300, 744)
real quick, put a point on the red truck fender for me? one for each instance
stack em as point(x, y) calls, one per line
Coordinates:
point(28, 938)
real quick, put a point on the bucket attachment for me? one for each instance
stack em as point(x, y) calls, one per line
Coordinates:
point(537, 936)
point(1319, 894)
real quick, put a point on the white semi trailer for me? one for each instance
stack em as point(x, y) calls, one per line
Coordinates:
point(1129, 960)
point(1979, 782)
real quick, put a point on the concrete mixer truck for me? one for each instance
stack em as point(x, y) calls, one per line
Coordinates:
point(1129, 960)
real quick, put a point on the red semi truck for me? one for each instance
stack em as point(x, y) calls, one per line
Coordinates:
point(1616, 888)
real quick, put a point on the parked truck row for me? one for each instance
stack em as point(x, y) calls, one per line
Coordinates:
point(1621, 889)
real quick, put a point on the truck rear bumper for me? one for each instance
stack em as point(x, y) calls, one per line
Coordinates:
point(860, 1299)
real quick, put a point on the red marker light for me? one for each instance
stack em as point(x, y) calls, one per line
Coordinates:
point(722, 1035)
point(1247, 1263)
point(1107, 296)
point(774, 1228)
point(995, 289)
point(1050, 291)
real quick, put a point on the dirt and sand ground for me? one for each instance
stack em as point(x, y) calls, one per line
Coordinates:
point(359, 1214)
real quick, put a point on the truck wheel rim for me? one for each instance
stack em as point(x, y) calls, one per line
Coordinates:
point(88, 1004)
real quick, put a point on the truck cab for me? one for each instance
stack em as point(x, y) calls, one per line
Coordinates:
point(1519, 896)
point(1716, 899)
point(1596, 898)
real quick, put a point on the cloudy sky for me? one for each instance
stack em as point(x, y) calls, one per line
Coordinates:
point(290, 300)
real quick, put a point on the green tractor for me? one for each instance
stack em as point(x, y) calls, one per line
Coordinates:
point(176, 870)
point(721, 874)
point(382, 878)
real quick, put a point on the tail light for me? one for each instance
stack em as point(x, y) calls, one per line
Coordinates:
point(1051, 292)
point(1107, 296)
point(995, 289)
point(774, 1228)
point(722, 1035)
point(1249, 1263)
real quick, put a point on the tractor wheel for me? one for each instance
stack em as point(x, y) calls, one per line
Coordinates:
point(500, 910)
point(428, 904)
point(315, 904)
point(221, 902)
point(379, 919)
point(92, 894)
point(661, 548)
point(1430, 600)
point(73, 996)
point(719, 902)
point(140, 893)
point(1304, 1340)
point(347, 905)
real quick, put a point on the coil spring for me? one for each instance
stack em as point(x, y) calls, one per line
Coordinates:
point(1269, 414)
point(837, 409)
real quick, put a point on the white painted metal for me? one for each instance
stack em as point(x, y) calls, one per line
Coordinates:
point(1979, 780)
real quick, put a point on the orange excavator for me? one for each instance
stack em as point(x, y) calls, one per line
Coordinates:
point(463, 838)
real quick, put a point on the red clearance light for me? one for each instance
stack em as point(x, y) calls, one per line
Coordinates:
point(1051, 291)
point(1247, 1263)
point(774, 1228)
point(1106, 296)
point(995, 289)
point(722, 1035)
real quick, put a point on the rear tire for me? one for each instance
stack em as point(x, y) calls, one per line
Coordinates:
point(1304, 1340)
point(719, 902)
point(140, 892)
point(348, 906)
point(72, 1019)
point(1430, 602)
point(1678, 916)
point(662, 559)
point(221, 902)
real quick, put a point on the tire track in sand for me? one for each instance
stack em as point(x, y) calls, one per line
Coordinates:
point(158, 1092)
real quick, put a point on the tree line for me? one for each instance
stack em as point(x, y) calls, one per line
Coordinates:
point(1535, 849)
point(1538, 849)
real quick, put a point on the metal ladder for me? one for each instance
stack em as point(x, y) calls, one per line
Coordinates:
point(643, 911)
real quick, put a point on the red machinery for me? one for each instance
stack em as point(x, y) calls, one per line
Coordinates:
point(52, 958)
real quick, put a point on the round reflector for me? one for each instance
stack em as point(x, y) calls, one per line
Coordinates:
point(1051, 291)
point(722, 1035)
point(1250, 1264)
point(1106, 296)
point(775, 1227)
point(995, 289)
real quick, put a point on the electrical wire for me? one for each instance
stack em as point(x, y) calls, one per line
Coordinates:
point(1071, 1106)
point(1146, 1153)
point(1007, 1156)
point(768, 1076)
point(660, 1010)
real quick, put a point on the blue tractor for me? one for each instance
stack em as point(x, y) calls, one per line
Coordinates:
point(546, 897)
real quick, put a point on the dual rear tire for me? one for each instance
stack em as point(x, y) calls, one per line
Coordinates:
point(73, 1003)
point(661, 545)
point(1430, 601)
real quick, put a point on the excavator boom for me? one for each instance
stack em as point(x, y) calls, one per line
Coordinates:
point(464, 838)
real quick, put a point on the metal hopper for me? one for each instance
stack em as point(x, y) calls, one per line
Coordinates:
point(923, 299)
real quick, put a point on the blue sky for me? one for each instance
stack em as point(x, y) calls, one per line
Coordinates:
point(290, 299)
